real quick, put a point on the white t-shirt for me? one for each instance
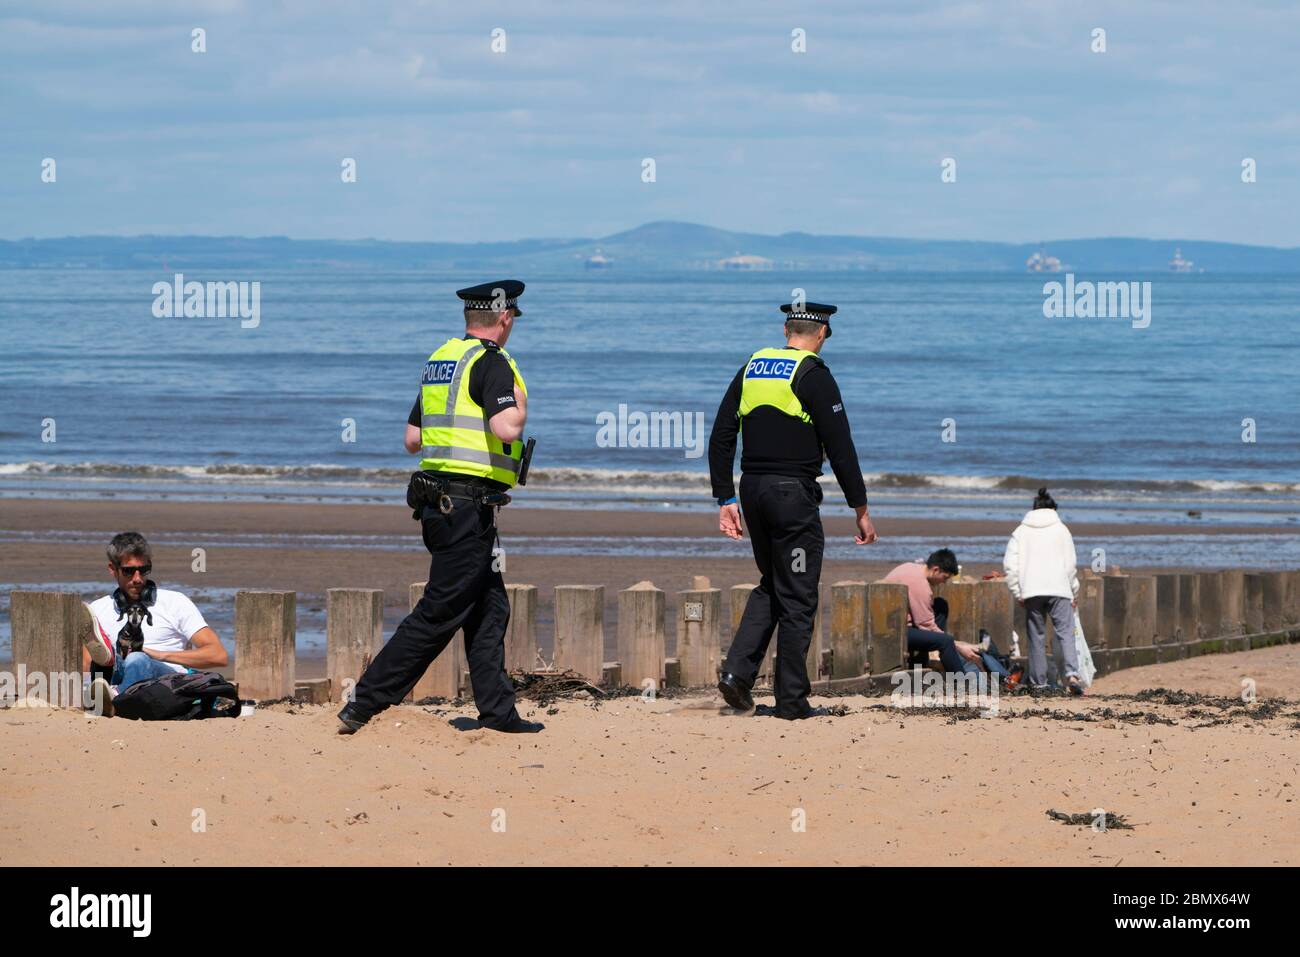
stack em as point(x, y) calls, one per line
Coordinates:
point(175, 622)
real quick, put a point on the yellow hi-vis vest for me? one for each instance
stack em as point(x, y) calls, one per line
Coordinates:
point(769, 380)
point(454, 432)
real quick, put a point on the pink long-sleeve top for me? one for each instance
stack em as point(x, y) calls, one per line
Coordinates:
point(920, 597)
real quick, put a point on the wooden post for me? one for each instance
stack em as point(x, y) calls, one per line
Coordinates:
point(1233, 597)
point(1092, 609)
point(1291, 609)
point(1209, 617)
point(1115, 596)
point(850, 642)
point(698, 637)
point(1291, 606)
point(1274, 600)
point(313, 691)
point(993, 604)
point(1168, 604)
point(521, 635)
point(265, 630)
point(354, 633)
point(641, 642)
point(1253, 602)
point(963, 613)
point(580, 629)
point(442, 678)
point(887, 626)
point(46, 629)
point(1141, 620)
point(1189, 604)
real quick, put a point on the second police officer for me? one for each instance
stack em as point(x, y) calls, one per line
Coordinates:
point(786, 407)
point(467, 426)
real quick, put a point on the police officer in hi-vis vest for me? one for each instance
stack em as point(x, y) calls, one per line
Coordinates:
point(467, 426)
point(787, 408)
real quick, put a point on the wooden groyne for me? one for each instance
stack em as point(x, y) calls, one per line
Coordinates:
point(859, 637)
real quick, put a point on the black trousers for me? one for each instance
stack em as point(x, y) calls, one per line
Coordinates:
point(920, 643)
point(464, 591)
point(785, 530)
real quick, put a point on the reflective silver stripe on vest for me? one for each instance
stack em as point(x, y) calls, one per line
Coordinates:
point(478, 456)
point(450, 420)
point(472, 422)
point(454, 389)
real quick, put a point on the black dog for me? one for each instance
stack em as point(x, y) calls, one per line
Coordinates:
point(131, 637)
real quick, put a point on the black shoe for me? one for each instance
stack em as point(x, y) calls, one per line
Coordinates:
point(518, 725)
point(810, 713)
point(735, 693)
point(352, 720)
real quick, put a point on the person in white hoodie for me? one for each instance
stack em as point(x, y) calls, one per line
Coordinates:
point(1040, 569)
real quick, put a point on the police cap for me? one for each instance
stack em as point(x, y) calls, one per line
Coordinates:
point(811, 312)
point(493, 296)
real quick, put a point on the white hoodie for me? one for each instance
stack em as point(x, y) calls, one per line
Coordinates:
point(1040, 557)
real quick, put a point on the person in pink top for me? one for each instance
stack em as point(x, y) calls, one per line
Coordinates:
point(927, 616)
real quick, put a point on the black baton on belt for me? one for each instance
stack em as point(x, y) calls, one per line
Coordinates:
point(524, 460)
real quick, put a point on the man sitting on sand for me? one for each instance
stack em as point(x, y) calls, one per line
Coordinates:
point(176, 639)
point(925, 621)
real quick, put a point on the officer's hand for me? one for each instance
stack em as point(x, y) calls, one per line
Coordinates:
point(729, 521)
point(866, 531)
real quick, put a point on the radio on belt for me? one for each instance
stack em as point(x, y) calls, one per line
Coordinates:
point(524, 460)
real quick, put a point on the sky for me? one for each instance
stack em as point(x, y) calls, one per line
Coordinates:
point(455, 142)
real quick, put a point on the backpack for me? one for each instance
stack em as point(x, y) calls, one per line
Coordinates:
point(179, 697)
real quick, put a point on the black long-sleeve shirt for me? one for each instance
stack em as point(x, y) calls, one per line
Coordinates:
point(778, 444)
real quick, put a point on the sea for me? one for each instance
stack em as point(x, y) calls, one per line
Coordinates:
point(963, 395)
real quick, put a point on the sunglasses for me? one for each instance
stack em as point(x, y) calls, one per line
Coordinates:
point(129, 571)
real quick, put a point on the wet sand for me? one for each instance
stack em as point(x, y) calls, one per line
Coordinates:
point(47, 555)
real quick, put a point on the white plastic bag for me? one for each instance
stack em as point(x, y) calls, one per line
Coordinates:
point(1087, 670)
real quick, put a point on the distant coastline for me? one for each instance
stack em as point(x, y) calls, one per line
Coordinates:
point(653, 247)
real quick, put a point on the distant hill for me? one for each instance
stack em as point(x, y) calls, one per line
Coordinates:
point(654, 246)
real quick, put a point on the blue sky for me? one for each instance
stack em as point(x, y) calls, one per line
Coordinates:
point(454, 142)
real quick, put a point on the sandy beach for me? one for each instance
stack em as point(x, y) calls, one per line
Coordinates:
point(1203, 781)
point(1203, 778)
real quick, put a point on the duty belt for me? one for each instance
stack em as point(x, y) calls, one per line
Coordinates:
point(427, 490)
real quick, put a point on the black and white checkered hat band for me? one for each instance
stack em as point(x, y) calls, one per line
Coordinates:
point(488, 304)
point(815, 316)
